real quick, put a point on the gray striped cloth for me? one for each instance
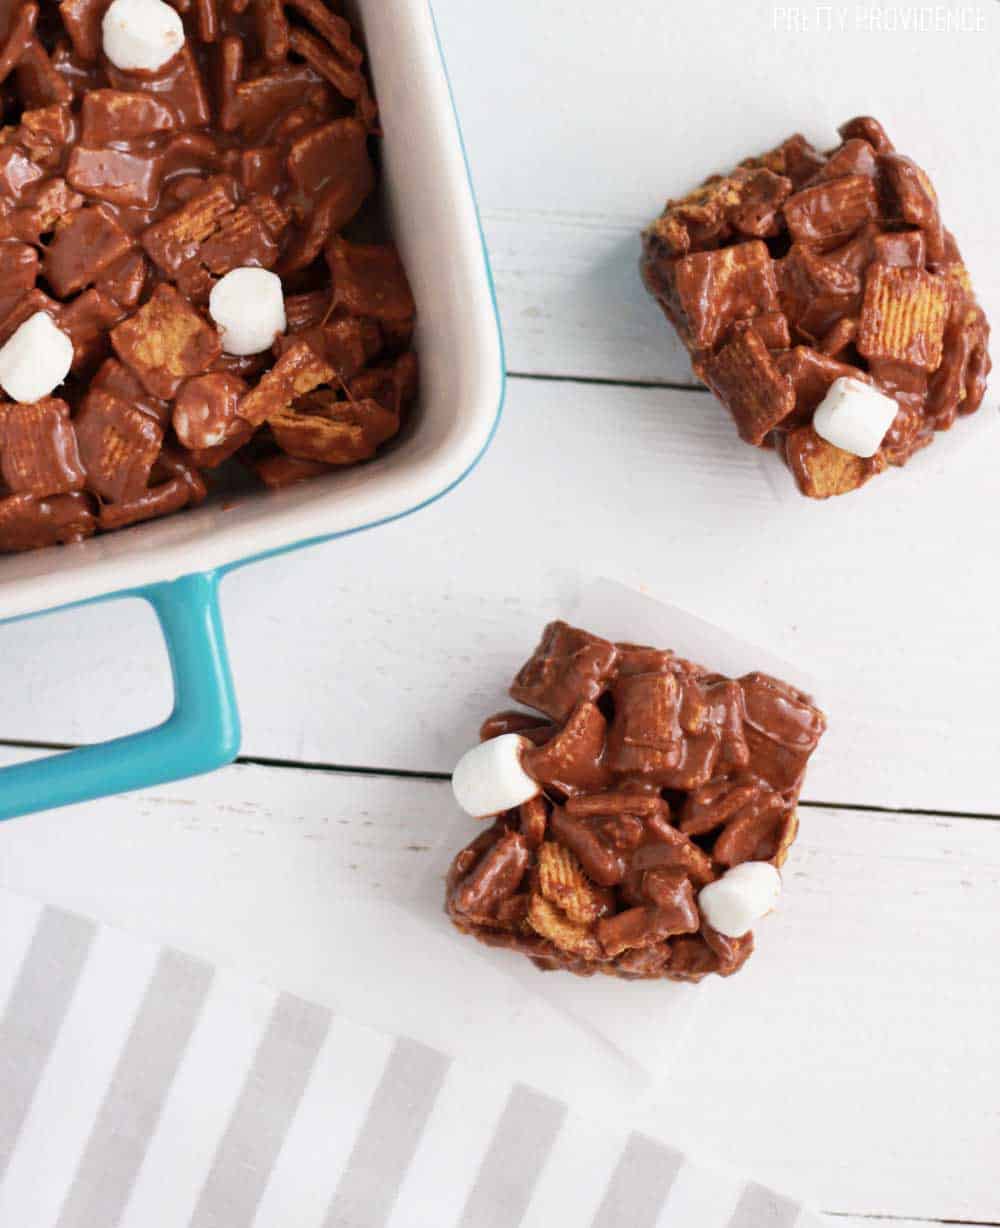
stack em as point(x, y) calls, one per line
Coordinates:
point(142, 1088)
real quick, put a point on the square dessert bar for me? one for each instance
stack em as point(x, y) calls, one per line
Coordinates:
point(648, 803)
point(800, 269)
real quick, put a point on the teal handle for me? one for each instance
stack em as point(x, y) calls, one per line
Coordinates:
point(202, 732)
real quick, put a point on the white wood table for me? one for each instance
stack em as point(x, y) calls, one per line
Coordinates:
point(854, 1061)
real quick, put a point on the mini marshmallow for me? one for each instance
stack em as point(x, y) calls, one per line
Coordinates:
point(489, 778)
point(744, 894)
point(854, 416)
point(35, 360)
point(141, 34)
point(249, 307)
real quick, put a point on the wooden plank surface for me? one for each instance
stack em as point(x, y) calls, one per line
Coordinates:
point(873, 991)
point(387, 649)
point(862, 1074)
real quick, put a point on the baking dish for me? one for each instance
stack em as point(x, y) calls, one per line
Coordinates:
point(176, 564)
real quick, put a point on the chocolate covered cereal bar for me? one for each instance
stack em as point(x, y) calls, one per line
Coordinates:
point(825, 304)
point(640, 812)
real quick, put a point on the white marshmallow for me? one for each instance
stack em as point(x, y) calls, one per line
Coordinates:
point(143, 34)
point(35, 360)
point(249, 307)
point(489, 778)
point(854, 416)
point(740, 897)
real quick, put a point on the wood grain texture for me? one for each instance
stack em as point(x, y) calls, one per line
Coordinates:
point(872, 993)
point(581, 121)
point(386, 650)
point(862, 1073)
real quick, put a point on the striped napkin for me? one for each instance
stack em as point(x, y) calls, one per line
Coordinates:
point(142, 1088)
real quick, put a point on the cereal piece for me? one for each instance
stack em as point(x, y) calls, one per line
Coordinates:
point(567, 667)
point(563, 883)
point(783, 728)
point(176, 240)
point(86, 322)
point(332, 163)
point(568, 935)
point(116, 176)
point(259, 100)
point(18, 273)
point(794, 158)
point(298, 371)
point(959, 383)
point(29, 523)
point(911, 194)
point(38, 451)
point(867, 129)
point(114, 377)
point(86, 243)
point(744, 377)
point(904, 315)
point(571, 760)
point(821, 470)
point(493, 878)
point(711, 290)
point(756, 833)
point(816, 291)
point(533, 819)
point(123, 115)
point(118, 444)
point(180, 86)
point(761, 195)
point(645, 736)
point(746, 201)
point(280, 470)
point(369, 280)
point(82, 19)
point(854, 157)
point(17, 172)
point(124, 280)
point(831, 210)
point(772, 328)
point(840, 336)
point(247, 237)
point(46, 204)
point(165, 342)
point(645, 926)
point(907, 248)
point(346, 345)
point(340, 433)
point(163, 500)
point(811, 374)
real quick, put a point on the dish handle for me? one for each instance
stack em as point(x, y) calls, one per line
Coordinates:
point(202, 732)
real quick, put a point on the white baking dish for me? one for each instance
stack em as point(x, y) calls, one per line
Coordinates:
point(176, 563)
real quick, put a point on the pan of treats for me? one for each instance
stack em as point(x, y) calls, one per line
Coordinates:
point(245, 305)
